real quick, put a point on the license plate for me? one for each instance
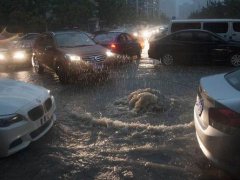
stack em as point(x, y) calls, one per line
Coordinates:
point(98, 66)
point(199, 106)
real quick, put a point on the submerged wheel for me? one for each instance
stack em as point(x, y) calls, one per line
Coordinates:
point(37, 66)
point(235, 60)
point(62, 75)
point(167, 59)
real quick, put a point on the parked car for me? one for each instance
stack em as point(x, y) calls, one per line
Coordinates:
point(217, 119)
point(228, 29)
point(119, 43)
point(70, 54)
point(26, 114)
point(194, 46)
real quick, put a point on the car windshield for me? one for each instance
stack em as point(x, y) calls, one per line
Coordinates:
point(234, 79)
point(73, 40)
point(109, 37)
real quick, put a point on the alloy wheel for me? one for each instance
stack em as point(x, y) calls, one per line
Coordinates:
point(167, 59)
point(235, 60)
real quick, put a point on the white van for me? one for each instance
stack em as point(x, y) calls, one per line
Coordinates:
point(229, 29)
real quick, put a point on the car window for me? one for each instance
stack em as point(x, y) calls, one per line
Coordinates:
point(129, 38)
point(73, 40)
point(236, 26)
point(221, 27)
point(203, 37)
point(183, 26)
point(122, 38)
point(234, 79)
point(183, 36)
point(48, 41)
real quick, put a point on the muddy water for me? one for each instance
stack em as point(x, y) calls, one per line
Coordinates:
point(94, 138)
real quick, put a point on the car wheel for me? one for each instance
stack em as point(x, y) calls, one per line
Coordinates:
point(37, 66)
point(167, 59)
point(235, 60)
point(62, 75)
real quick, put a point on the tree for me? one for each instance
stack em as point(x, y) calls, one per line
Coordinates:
point(217, 9)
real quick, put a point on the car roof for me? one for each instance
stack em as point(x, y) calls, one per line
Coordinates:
point(204, 20)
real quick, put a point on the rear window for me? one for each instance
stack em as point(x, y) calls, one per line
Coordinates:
point(216, 27)
point(234, 79)
point(182, 26)
point(236, 27)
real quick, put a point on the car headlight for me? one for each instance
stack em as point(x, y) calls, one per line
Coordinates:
point(6, 121)
point(110, 54)
point(2, 57)
point(73, 57)
point(19, 55)
point(135, 34)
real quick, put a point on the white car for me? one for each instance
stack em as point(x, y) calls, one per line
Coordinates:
point(26, 114)
point(217, 119)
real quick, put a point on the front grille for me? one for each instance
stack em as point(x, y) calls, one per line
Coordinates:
point(48, 104)
point(94, 58)
point(36, 113)
point(38, 131)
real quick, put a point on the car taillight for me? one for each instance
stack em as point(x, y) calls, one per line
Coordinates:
point(224, 116)
point(113, 46)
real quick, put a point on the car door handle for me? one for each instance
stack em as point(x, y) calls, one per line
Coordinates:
point(234, 34)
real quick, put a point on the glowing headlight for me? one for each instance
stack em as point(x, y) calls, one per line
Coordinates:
point(19, 55)
point(109, 54)
point(6, 121)
point(146, 34)
point(135, 34)
point(73, 57)
point(2, 57)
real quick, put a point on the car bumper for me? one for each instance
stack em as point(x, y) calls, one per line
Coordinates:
point(222, 149)
point(19, 135)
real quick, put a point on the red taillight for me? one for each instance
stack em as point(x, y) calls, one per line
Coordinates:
point(224, 116)
point(113, 46)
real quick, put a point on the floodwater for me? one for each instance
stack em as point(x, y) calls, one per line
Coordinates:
point(97, 135)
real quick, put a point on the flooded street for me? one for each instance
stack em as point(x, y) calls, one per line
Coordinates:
point(97, 136)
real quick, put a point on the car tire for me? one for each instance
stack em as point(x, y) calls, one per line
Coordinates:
point(37, 66)
point(167, 59)
point(235, 60)
point(62, 75)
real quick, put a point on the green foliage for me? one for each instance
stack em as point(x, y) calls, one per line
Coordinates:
point(216, 9)
point(36, 15)
point(41, 15)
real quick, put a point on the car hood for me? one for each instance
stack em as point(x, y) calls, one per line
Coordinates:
point(218, 88)
point(85, 50)
point(15, 94)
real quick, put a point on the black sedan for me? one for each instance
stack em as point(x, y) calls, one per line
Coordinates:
point(194, 46)
point(119, 43)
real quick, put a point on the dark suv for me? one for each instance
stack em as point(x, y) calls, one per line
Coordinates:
point(70, 53)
